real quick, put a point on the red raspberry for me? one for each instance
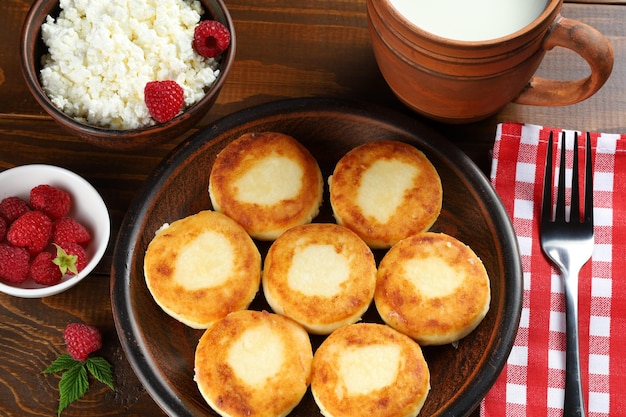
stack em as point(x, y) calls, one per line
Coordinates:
point(13, 207)
point(68, 230)
point(66, 261)
point(44, 271)
point(164, 99)
point(32, 230)
point(3, 229)
point(13, 263)
point(50, 200)
point(81, 340)
point(210, 38)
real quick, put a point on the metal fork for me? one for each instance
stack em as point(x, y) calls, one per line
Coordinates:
point(568, 243)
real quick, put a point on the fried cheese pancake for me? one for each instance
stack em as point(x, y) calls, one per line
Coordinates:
point(267, 182)
point(253, 364)
point(385, 191)
point(321, 275)
point(433, 288)
point(202, 267)
point(371, 370)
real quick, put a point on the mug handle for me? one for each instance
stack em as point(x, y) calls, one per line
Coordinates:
point(587, 42)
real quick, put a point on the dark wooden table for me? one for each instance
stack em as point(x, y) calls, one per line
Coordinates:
point(319, 48)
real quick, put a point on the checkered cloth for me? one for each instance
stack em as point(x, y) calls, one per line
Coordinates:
point(532, 382)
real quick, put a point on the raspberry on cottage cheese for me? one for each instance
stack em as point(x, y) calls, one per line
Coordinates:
point(101, 54)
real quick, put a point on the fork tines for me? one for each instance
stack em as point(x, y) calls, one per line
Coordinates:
point(559, 213)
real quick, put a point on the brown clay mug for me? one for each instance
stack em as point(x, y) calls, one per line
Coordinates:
point(458, 81)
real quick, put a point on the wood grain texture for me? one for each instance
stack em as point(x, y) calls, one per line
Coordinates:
point(31, 334)
point(319, 48)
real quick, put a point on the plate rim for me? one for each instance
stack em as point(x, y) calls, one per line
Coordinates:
point(127, 330)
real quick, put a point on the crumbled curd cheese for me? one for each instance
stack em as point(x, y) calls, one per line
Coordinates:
point(101, 54)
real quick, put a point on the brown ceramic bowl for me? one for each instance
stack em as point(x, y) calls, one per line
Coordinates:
point(161, 349)
point(32, 48)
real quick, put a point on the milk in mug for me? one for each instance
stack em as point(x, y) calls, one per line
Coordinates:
point(470, 20)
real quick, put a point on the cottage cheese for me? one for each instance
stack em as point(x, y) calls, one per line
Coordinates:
point(101, 54)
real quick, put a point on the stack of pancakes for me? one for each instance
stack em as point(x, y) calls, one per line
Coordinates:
point(318, 278)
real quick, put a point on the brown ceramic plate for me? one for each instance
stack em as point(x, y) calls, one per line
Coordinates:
point(161, 350)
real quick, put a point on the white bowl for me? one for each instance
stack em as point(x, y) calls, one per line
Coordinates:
point(87, 207)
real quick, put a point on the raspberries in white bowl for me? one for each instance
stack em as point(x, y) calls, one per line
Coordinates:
point(54, 229)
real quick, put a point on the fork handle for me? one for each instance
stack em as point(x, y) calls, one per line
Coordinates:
point(574, 405)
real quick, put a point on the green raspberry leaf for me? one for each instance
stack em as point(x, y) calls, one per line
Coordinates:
point(65, 261)
point(73, 385)
point(62, 363)
point(101, 370)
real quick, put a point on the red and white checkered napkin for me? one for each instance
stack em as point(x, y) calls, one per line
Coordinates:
point(532, 382)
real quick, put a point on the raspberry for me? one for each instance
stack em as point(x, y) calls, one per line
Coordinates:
point(164, 99)
point(210, 38)
point(71, 258)
point(81, 340)
point(50, 200)
point(68, 230)
point(32, 230)
point(44, 271)
point(13, 207)
point(3, 229)
point(13, 263)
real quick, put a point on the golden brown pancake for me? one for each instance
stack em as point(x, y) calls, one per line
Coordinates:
point(321, 275)
point(385, 191)
point(369, 370)
point(253, 363)
point(200, 268)
point(267, 182)
point(433, 288)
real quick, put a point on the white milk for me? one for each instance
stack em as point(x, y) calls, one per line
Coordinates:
point(470, 20)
